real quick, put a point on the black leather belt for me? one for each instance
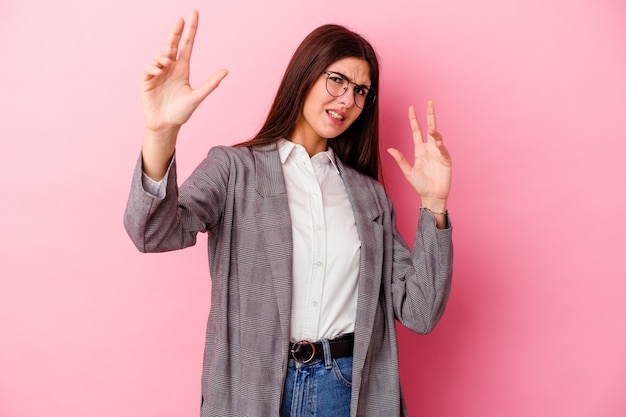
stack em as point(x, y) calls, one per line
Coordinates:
point(306, 351)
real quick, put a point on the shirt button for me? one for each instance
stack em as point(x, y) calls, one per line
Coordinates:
point(314, 303)
point(318, 263)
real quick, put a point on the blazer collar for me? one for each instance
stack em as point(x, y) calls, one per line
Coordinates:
point(269, 171)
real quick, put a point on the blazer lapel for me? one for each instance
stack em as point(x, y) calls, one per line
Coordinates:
point(274, 224)
point(368, 216)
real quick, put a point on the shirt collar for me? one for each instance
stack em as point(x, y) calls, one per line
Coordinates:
point(285, 147)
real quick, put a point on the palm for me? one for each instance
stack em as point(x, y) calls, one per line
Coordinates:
point(430, 173)
point(167, 98)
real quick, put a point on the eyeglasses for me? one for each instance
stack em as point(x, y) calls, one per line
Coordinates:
point(337, 85)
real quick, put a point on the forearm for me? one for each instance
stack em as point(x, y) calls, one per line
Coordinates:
point(422, 277)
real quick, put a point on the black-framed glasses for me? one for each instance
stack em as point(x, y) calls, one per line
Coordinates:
point(337, 84)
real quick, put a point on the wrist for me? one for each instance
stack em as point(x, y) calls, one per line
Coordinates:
point(435, 205)
point(161, 135)
point(441, 217)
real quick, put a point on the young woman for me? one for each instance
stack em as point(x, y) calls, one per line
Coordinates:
point(309, 272)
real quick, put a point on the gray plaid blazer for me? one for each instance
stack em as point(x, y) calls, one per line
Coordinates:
point(238, 196)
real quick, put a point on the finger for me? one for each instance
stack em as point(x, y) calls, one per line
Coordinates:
point(404, 165)
point(435, 135)
point(415, 127)
point(437, 140)
point(189, 36)
point(211, 84)
point(171, 46)
point(430, 115)
point(444, 153)
point(161, 61)
point(150, 71)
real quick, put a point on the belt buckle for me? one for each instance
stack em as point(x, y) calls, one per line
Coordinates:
point(300, 349)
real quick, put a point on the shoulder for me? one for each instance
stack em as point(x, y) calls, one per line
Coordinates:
point(241, 153)
point(231, 153)
point(242, 162)
point(229, 158)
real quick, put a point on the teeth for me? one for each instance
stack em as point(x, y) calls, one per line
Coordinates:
point(335, 115)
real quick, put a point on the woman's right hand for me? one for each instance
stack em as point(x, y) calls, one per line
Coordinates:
point(167, 98)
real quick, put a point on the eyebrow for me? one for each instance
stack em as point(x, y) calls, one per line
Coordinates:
point(350, 80)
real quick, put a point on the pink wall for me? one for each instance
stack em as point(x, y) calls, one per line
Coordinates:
point(530, 97)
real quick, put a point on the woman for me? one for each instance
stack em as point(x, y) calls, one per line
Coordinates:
point(308, 270)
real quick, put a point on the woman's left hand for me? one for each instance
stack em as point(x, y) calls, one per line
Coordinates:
point(431, 172)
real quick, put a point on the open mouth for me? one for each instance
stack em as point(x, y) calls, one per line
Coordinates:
point(335, 115)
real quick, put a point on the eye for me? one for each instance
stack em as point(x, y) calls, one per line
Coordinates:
point(336, 78)
point(362, 91)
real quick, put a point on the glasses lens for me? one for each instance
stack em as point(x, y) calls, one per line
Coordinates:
point(368, 100)
point(360, 96)
point(336, 85)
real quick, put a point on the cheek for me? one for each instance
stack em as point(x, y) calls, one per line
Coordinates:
point(318, 96)
point(354, 117)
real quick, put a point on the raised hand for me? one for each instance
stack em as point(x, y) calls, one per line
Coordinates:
point(431, 171)
point(168, 99)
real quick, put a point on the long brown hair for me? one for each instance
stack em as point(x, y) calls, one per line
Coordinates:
point(358, 145)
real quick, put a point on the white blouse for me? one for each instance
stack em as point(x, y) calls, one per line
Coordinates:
point(326, 245)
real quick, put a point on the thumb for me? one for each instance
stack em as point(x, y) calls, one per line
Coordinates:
point(211, 84)
point(404, 165)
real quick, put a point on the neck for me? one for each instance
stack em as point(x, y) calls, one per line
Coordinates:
point(312, 142)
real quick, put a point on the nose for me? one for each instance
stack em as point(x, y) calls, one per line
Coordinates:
point(347, 98)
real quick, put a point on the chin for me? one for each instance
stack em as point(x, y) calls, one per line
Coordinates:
point(333, 134)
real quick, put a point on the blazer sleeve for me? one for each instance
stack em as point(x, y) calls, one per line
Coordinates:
point(170, 223)
point(421, 278)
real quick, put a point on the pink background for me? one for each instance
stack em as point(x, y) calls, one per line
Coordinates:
point(530, 97)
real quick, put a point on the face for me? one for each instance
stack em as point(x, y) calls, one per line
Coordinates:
point(324, 116)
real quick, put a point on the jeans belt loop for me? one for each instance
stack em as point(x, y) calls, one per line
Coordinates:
point(328, 359)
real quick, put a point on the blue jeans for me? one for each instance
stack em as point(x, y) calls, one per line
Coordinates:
point(322, 388)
